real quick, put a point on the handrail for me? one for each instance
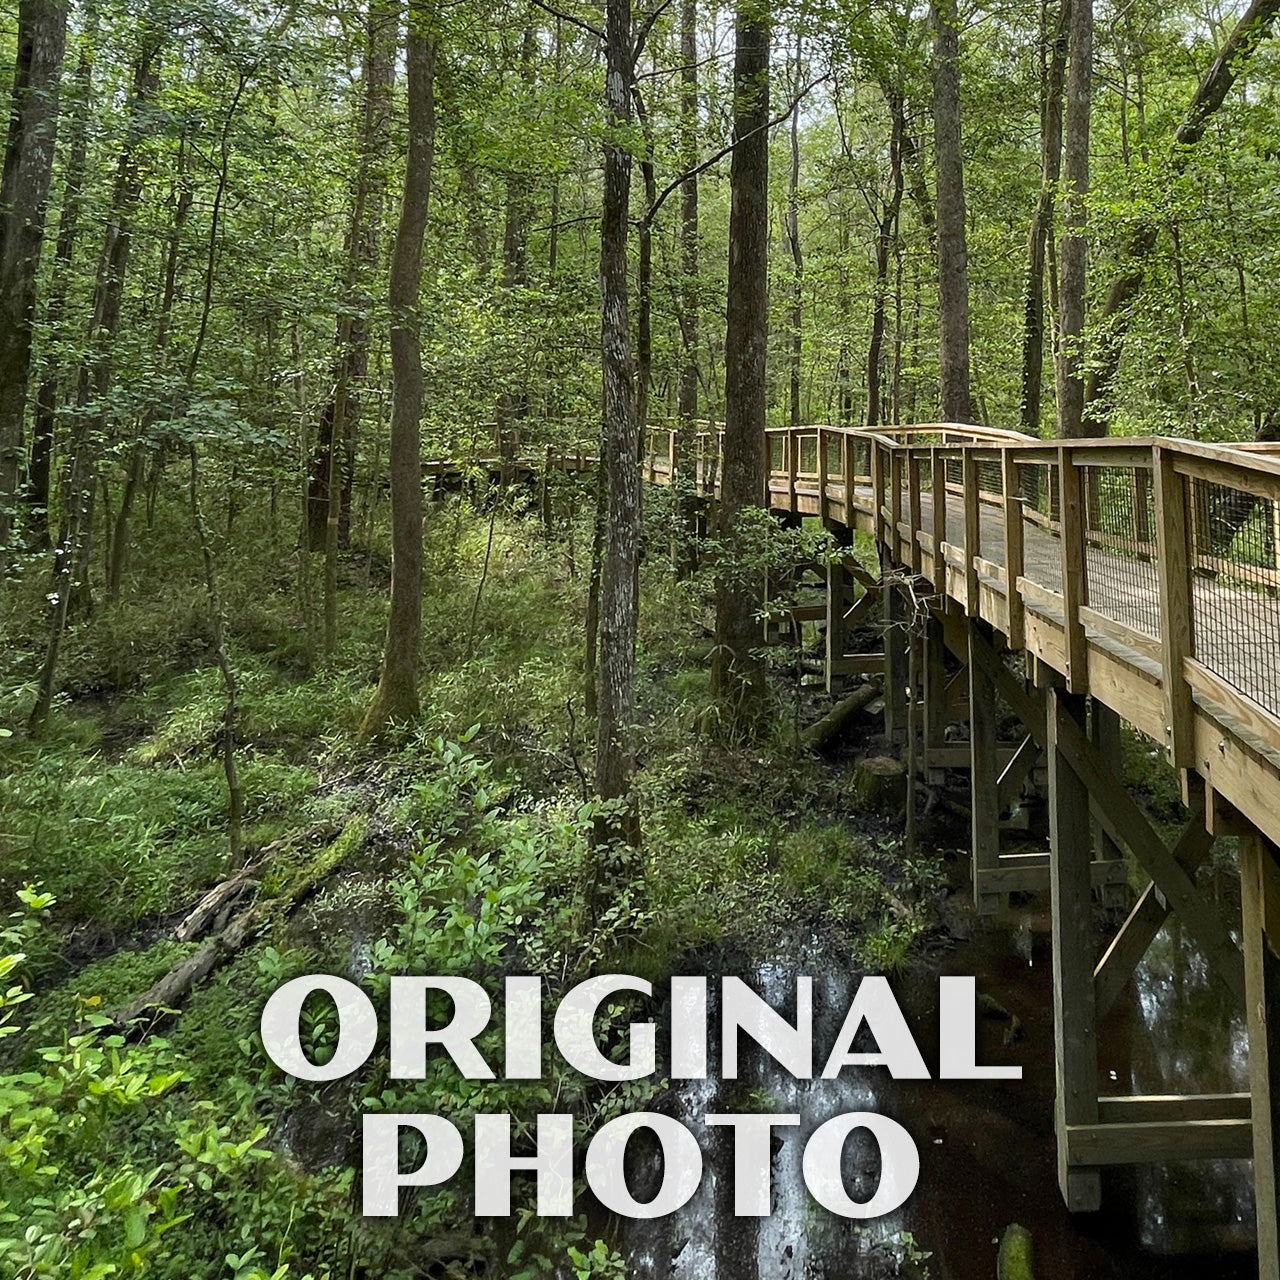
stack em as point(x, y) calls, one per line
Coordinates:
point(1099, 554)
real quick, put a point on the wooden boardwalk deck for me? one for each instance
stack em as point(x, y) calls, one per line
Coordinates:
point(1081, 583)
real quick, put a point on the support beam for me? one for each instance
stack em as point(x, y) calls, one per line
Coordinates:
point(1202, 922)
point(839, 589)
point(935, 693)
point(983, 777)
point(895, 659)
point(1015, 774)
point(1138, 932)
point(1074, 1023)
point(1260, 895)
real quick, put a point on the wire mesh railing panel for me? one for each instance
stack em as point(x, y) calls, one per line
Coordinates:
point(807, 457)
point(861, 457)
point(1120, 555)
point(777, 453)
point(1235, 604)
point(953, 471)
point(1041, 548)
point(835, 463)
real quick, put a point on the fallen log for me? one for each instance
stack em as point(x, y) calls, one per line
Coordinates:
point(207, 910)
point(820, 732)
point(174, 985)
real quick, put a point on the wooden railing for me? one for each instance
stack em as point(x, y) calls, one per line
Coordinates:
point(1144, 570)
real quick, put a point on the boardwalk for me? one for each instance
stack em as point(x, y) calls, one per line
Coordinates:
point(1080, 583)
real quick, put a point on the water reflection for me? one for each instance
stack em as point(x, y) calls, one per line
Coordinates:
point(1188, 1036)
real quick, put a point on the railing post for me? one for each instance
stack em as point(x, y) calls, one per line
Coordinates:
point(877, 492)
point(938, 479)
point(793, 467)
point(1011, 482)
point(895, 501)
point(972, 529)
point(913, 508)
point(822, 477)
point(846, 474)
point(1074, 585)
point(1177, 640)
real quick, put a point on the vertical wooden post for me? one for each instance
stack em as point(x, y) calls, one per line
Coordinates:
point(792, 451)
point(1104, 730)
point(878, 479)
point(847, 479)
point(895, 654)
point(914, 644)
point(935, 692)
point(822, 477)
point(984, 777)
point(895, 503)
point(938, 481)
point(1260, 898)
point(1074, 584)
point(1142, 505)
point(839, 583)
point(913, 507)
point(1074, 1014)
point(1014, 528)
point(972, 529)
point(1177, 639)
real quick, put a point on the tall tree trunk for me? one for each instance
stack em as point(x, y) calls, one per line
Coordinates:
point(797, 255)
point(97, 368)
point(513, 404)
point(24, 190)
point(1053, 71)
point(397, 693)
point(735, 670)
point(40, 463)
point(135, 471)
point(687, 397)
point(644, 277)
point(1071, 289)
point(615, 730)
point(364, 236)
point(886, 235)
point(956, 404)
point(1254, 26)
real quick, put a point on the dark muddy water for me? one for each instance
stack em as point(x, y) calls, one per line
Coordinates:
point(986, 1147)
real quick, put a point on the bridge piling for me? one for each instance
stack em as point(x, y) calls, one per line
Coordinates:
point(1071, 906)
point(984, 777)
point(1260, 882)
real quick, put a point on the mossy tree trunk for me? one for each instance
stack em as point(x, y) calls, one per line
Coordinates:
point(397, 693)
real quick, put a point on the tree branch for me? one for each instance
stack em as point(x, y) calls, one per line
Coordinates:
point(706, 164)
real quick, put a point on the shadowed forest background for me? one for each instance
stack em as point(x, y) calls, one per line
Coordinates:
point(278, 696)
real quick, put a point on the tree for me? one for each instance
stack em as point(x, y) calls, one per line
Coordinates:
point(24, 189)
point(615, 731)
point(735, 670)
point(396, 698)
point(953, 256)
point(1071, 423)
point(687, 396)
point(1254, 26)
point(1052, 73)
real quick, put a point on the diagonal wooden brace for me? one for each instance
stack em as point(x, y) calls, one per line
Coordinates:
point(1202, 922)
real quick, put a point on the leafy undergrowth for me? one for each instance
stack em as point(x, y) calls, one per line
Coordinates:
point(185, 1152)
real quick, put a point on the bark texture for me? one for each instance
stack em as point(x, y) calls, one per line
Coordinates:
point(396, 698)
point(1053, 74)
point(1071, 424)
point(955, 404)
point(615, 735)
point(24, 191)
point(735, 671)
